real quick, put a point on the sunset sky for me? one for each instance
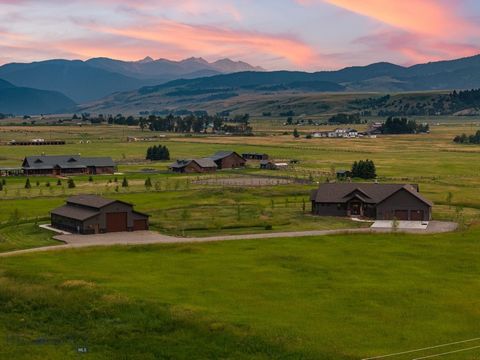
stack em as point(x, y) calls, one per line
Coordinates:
point(275, 34)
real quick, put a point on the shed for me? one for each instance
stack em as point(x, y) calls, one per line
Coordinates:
point(92, 214)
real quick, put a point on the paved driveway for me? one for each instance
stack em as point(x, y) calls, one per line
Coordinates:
point(151, 237)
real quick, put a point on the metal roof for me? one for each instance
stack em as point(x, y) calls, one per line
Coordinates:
point(75, 212)
point(92, 201)
point(65, 161)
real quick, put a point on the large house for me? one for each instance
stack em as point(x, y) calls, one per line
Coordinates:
point(371, 200)
point(194, 166)
point(58, 165)
point(91, 214)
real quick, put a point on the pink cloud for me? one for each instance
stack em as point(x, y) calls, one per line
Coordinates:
point(213, 41)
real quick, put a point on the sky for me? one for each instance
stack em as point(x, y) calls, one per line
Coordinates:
point(309, 35)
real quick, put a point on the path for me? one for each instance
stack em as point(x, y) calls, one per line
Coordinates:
point(151, 237)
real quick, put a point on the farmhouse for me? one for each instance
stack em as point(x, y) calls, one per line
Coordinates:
point(337, 133)
point(228, 160)
point(91, 214)
point(58, 165)
point(371, 200)
point(194, 166)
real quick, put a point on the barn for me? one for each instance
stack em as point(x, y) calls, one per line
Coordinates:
point(91, 214)
point(371, 200)
point(228, 160)
point(194, 166)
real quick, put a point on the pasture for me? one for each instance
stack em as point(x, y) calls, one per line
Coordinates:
point(335, 297)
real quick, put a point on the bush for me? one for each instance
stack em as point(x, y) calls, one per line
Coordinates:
point(268, 227)
point(125, 182)
point(70, 184)
point(27, 184)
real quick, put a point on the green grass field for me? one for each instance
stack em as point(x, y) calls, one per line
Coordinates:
point(336, 297)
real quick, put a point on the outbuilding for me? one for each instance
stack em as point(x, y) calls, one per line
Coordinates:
point(202, 165)
point(92, 214)
point(228, 160)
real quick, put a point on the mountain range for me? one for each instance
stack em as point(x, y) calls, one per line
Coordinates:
point(103, 84)
point(85, 81)
point(222, 92)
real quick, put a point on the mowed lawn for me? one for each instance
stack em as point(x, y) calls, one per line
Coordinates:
point(335, 297)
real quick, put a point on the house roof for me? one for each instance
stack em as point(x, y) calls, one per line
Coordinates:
point(202, 162)
point(222, 154)
point(65, 161)
point(75, 212)
point(371, 192)
point(92, 201)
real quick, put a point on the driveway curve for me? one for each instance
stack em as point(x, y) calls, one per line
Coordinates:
point(150, 237)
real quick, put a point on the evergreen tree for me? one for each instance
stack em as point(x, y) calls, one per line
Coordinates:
point(70, 183)
point(295, 133)
point(1, 186)
point(125, 182)
point(27, 184)
point(59, 182)
point(148, 183)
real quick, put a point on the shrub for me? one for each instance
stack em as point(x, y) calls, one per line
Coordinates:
point(27, 184)
point(70, 184)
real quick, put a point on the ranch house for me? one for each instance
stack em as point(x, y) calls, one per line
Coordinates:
point(59, 165)
point(91, 214)
point(371, 200)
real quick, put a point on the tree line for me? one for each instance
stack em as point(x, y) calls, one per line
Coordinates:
point(403, 126)
point(467, 139)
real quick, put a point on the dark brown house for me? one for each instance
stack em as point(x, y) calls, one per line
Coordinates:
point(228, 160)
point(59, 165)
point(91, 214)
point(371, 200)
point(194, 166)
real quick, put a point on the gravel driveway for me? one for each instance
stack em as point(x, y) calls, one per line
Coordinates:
point(151, 237)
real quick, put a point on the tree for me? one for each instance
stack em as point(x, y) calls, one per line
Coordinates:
point(364, 169)
point(295, 133)
point(70, 183)
point(125, 182)
point(59, 182)
point(27, 184)
point(148, 183)
point(90, 178)
point(159, 152)
point(1, 186)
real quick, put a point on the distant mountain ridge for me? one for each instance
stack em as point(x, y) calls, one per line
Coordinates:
point(27, 101)
point(222, 89)
point(85, 81)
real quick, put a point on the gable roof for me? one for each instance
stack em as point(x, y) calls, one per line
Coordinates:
point(219, 155)
point(92, 201)
point(75, 212)
point(377, 193)
point(65, 161)
point(202, 162)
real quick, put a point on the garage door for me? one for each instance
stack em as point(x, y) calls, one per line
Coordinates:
point(401, 214)
point(116, 222)
point(416, 215)
point(140, 225)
